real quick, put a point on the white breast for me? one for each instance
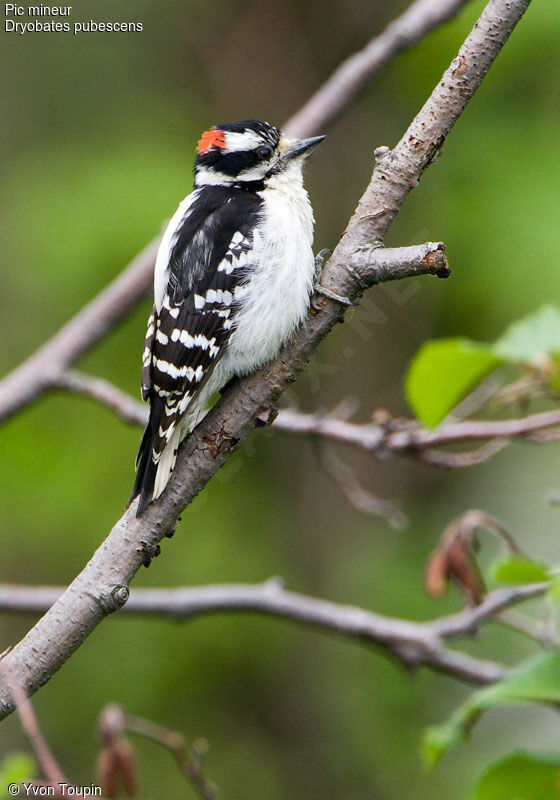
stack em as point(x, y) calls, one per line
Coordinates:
point(275, 300)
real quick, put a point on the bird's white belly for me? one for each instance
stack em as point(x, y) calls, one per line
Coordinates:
point(275, 300)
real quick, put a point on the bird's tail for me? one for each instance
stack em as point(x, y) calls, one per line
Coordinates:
point(154, 466)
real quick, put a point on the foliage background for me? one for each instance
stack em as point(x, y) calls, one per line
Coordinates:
point(97, 145)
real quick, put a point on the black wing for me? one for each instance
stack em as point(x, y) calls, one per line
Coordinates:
point(184, 342)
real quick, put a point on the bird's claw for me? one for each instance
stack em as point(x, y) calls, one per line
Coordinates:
point(338, 298)
point(320, 259)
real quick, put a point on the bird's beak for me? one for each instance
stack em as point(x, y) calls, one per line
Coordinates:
point(301, 147)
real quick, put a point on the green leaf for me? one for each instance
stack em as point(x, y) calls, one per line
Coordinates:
point(516, 569)
point(521, 776)
point(15, 768)
point(438, 739)
point(442, 373)
point(537, 681)
point(531, 337)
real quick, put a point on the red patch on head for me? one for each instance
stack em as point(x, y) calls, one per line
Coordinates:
point(210, 140)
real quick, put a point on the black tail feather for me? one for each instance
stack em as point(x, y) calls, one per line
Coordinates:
point(146, 474)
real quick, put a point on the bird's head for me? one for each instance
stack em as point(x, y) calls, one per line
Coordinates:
point(248, 152)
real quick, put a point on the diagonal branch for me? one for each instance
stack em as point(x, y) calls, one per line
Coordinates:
point(43, 369)
point(398, 171)
point(97, 590)
point(47, 762)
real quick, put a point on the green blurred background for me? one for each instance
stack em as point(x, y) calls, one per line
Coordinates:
point(97, 141)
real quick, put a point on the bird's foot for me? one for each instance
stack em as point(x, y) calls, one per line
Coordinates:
point(320, 259)
point(338, 298)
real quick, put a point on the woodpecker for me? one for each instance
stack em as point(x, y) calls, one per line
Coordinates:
point(233, 278)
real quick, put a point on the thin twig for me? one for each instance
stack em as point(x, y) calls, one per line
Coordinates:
point(124, 406)
point(475, 400)
point(468, 458)
point(117, 759)
point(366, 502)
point(47, 762)
point(478, 429)
point(190, 762)
point(356, 72)
point(536, 630)
point(409, 437)
point(470, 619)
point(544, 437)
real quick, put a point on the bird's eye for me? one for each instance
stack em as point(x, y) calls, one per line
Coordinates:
point(265, 151)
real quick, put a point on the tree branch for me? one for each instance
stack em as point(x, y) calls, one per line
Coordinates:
point(398, 171)
point(99, 589)
point(413, 643)
point(470, 619)
point(362, 500)
point(117, 758)
point(404, 436)
point(43, 370)
point(392, 436)
point(122, 404)
point(47, 762)
point(467, 458)
point(357, 71)
point(375, 264)
point(478, 429)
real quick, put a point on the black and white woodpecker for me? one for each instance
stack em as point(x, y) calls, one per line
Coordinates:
point(233, 279)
